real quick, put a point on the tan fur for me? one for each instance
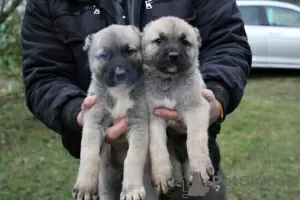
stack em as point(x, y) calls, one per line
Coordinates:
point(98, 174)
point(181, 91)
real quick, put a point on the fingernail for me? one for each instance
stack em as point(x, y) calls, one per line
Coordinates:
point(94, 99)
point(157, 112)
point(125, 121)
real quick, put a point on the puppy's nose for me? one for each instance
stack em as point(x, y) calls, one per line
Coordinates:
point(120, 70)
point(120, 73)
point(173, 55)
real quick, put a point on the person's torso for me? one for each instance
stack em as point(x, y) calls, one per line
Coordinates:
point(75, 19)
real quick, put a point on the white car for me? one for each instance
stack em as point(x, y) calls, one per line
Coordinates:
point(273, 30)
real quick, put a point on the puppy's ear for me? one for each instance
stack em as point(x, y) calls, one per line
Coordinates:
point(199, 40)
point(88, 42)
point(136, 30)
point(146, 27)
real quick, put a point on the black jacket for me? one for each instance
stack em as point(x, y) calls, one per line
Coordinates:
point(55, 68)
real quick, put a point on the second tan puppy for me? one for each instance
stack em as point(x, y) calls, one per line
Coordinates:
point(170, 49)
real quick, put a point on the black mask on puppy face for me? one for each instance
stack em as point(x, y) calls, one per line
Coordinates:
point(121, 70)
point(172, 57)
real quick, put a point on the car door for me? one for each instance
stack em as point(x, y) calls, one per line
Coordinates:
point(284, 36)
point(257, 32)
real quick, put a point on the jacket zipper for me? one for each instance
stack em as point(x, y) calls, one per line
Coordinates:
point(108, 19)
point(122, 21)
point(139, 14)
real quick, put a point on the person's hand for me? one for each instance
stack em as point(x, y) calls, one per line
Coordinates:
point(115, 132)
point(171, 114)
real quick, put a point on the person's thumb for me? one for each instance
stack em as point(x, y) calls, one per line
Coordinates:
point(79, 118)
point(89, 102)
point(208, 95)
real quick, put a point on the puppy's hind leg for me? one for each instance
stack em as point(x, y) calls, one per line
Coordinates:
point(197, 121)
point(134, 164)
point(161, 167)
point(109, 177)
point(176, 164)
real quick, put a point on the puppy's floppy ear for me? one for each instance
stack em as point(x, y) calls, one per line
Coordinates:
point(199, 40)
point(88, 42)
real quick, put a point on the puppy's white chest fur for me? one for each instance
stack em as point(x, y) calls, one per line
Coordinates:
point(165, 102)
point(123, 102)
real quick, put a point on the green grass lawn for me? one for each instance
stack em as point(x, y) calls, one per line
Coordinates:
point(260, 139)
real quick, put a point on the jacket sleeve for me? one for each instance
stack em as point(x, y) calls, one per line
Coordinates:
point(49, 76)
point(225, 55)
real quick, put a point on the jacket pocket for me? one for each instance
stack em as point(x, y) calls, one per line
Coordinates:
point(179, 8)
point(74, 26)
point(72, 29)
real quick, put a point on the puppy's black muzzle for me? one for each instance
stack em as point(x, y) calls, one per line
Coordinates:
point(173, 55)
point(172, 59)
point(120, 73)
point(121, 70)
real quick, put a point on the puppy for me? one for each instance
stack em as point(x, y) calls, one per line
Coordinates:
point(170, 49)
point(115, 60)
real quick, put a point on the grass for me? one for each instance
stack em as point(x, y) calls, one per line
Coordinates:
point(260, 139)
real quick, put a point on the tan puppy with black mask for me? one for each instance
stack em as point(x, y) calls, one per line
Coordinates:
point(116, 64)
point(170, 49)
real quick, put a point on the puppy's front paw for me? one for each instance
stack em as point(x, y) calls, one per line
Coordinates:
point(163, 179)
point(133, 193)
point(84, 191)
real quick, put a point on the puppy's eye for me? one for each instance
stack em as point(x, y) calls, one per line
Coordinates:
point(105, 55)
point(157, 41)
point(185, 42)
point(130, 51)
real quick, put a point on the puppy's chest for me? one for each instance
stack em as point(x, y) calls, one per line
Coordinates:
point(165, 102)
point(119, 103)
point(163, 95)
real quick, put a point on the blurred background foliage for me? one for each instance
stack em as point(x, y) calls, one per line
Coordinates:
point(10, 48)
point(11, 15)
